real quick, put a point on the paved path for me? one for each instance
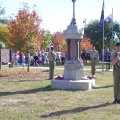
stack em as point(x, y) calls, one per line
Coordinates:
point(58, 68)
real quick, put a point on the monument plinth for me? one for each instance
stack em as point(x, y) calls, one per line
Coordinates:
point(73, 67)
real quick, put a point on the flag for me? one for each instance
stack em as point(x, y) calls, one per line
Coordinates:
point(108, 19)
point(102, 16)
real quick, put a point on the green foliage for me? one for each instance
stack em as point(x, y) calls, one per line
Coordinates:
point(3, 31)
point(96, 34)
point(0, 46)
point(24, 31)
point(117, 29)
point(47, 39)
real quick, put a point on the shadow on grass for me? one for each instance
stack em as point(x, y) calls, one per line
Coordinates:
point(31, 80)
point(107, 86)
point(47, 88)
point(80, 109)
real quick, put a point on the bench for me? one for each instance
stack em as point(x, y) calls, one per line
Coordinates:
point(104, 63)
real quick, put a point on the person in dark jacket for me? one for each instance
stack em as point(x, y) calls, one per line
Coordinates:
point(107, 58)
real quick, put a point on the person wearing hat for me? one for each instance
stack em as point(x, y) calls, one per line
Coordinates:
point(115, 61)
point(94, 58)
point(52, 61)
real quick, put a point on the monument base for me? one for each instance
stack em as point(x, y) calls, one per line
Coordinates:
point(73, 69)
point(73, 74)
point(73, 84)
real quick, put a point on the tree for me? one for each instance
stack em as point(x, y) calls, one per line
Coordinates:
point(3, 29)
point(3, 32)
point(3, 39)
point(85, 43)
point(117, 31)
point(2, 11)
point(46, 39)
point(96, 34)
point(59, 42)
point(24, 31)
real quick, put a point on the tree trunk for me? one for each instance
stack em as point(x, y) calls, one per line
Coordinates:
point(0, 60)
point(28, 62)
point(11, 61)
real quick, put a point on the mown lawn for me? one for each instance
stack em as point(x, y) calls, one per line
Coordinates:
point(28, 96)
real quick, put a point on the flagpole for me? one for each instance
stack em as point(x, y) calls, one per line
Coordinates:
point(84, 21)
point(103, 50)
point(103, 47)
point(112, 27)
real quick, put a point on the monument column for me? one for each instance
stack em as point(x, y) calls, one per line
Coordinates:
point(68, 49)
point(73, 8)
point(76, 49)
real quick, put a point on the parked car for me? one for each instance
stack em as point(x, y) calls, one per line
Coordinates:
point(45, 54)
point(58, 58)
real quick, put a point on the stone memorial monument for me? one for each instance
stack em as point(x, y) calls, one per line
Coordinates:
point(73, 63)
point(73, 69)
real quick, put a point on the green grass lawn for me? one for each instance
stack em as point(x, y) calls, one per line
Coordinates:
point(28, 96)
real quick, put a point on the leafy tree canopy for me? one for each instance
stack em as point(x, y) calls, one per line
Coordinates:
point(24, 31)
point(95, 34)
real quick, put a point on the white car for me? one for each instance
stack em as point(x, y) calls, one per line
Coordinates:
point(58, 58)
point(45, 54)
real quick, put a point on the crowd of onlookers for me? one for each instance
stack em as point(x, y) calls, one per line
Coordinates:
point(107, 56)
point(39, 58)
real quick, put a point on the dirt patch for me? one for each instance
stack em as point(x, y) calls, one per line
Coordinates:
point(20, 74)
point(12, 100)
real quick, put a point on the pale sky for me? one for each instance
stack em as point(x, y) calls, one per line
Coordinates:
point(57, 14)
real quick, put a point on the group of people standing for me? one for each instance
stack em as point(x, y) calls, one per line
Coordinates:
point(112, 57)
point(20, 58)
point(106, 59)
point(38, 58)
point(94, 57)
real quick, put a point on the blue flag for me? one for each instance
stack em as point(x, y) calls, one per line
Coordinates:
point(108, 19)
point(102, 16)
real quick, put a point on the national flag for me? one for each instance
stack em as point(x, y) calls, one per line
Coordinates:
point(102, 15)
point(108, 19)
